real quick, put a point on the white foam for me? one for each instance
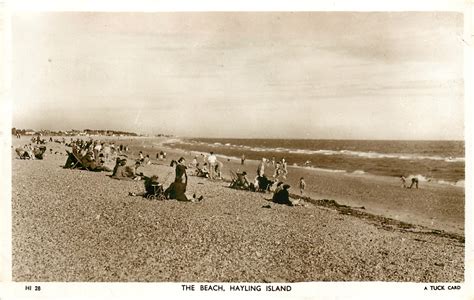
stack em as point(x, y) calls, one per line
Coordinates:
point(459, 183)
point(420, 178)
point(369, 154)
point(330, 170)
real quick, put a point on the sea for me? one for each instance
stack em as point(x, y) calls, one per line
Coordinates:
point(439, 161)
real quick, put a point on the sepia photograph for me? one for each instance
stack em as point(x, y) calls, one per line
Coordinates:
point(238, 151)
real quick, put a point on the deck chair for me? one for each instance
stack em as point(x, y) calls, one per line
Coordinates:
point(235, 182)
point(233, 175)
point(76, 161)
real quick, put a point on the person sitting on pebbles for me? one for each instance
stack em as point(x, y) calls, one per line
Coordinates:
point(278, 188)
point(124, 172)
point(90, 163)
point(202, 172)
point(282, 196)
point(118, 162)
point(177, 190)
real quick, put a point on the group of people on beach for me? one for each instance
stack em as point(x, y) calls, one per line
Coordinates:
point(414, 182)
point(280, 168)
point(209, 167)
point(90, 155)
point(177, 189)
point(29, 151)
point(262, 183)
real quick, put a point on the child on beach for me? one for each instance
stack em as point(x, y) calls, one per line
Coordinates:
point(302, 186)
point(218, 169)
point(404, 181)
point(261, 167)
point(284, 168)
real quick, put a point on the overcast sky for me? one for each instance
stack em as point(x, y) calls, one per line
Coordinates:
point(277, 75)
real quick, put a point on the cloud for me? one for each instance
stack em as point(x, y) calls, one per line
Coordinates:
point(190, 72)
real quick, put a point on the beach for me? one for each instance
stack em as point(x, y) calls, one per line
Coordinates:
point(76, 225)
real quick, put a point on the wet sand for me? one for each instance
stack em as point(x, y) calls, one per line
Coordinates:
point(74, 225)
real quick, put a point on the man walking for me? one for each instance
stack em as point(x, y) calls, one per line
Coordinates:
point(211, 159)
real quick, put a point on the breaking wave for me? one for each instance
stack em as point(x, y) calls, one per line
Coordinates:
point(370, 154)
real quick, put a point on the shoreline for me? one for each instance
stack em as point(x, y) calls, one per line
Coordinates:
point(358, 212)
point(442, 182)
point(450, 220)
point(437, 168)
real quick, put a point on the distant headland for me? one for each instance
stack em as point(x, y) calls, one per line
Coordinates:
point(83, 132)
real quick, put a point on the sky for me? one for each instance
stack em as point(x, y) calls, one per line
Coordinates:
point(317, 75)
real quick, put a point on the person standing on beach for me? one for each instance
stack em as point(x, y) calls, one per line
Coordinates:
point(177, 189)
point(242, 159)
point(107, 151)
point(180, 171)
point(302, 186)
point(211, 159)
point(195, 162)
point(404, 181)
point(284, 168)
point(276, 173)
point(261, 168)
point(219, 166)
point(97, 148)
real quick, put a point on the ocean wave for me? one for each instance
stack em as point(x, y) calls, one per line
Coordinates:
point(421, 178)
point(362, 154)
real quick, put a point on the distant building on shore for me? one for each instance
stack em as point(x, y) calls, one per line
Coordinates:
point(72, 132)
